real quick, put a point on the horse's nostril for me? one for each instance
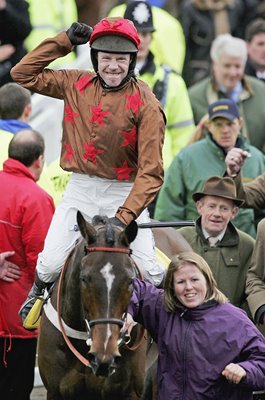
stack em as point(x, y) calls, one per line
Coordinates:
point(117, 360)
point(100, 368)
point(91, 358)
point(105, 369)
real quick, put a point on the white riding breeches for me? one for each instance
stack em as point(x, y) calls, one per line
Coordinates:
point(93, 196)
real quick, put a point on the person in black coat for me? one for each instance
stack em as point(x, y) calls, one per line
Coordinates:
point(255, 38)
point(15, 26)
point(202, 21)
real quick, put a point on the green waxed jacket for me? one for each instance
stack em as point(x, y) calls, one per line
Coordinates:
point(170, 89)
point(190, 169)
point(229, 260)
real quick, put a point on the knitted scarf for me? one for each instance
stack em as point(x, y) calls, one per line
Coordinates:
point(220, 13)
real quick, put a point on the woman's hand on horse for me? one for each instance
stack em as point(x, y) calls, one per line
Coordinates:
point(234, 373)
point(128, 324)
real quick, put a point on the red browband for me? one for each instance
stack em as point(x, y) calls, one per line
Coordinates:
point(108, 249)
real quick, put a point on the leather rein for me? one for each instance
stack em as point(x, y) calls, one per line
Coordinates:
point(94, 322)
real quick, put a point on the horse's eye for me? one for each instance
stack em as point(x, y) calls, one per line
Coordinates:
point(130, 284)
point(85, 278)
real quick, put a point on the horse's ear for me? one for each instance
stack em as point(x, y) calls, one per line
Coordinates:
point(131, 231)
point(87, 230)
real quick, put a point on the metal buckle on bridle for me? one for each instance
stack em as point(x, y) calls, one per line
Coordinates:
point(124, 339)
point(89, 336)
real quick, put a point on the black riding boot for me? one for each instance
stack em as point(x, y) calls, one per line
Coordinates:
point(36, 291)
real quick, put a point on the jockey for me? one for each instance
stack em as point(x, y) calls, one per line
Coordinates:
point(113, 132)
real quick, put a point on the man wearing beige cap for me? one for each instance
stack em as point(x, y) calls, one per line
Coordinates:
point(226, 249)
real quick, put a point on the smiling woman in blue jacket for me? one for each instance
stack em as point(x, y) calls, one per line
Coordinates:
point(208, 348)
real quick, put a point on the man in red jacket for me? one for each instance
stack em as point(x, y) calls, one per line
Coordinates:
point(25, 214)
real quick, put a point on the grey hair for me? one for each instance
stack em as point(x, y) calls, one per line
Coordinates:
point(226, 44)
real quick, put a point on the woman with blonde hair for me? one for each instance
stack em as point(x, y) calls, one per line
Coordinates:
point(208, 348)
point(171, 300)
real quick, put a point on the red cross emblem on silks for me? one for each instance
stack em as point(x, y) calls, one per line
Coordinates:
point(69, 152)
point(129, 138)
point(134, 102)
point(124, 172)
point(91, 152)
point(98, 115)
point(83, 82)
point(70, 114)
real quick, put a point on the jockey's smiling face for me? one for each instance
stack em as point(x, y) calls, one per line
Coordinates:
point(113, 68)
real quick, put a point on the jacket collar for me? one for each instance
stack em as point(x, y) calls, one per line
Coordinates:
point(230, 238)
point(239, 142)
point(212, 90)
point(13, 125)
point(15, 167)
point(149, 65)
point(197, 313)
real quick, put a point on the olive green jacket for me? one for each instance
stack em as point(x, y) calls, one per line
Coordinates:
point(255, 287)
point(229, 260)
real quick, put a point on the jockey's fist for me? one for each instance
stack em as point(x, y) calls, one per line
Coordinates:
point(79, 33)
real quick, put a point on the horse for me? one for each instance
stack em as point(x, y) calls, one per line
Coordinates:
point(83, 352)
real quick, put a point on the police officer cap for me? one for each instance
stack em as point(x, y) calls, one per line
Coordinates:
point(140, 13)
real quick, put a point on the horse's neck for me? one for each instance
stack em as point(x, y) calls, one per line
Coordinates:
point(170, 241)
point(70, 299)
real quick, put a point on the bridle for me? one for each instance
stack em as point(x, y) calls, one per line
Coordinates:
point(108, 249)
point(91, 323)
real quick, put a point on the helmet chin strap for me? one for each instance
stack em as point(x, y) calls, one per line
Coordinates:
point(127, 78)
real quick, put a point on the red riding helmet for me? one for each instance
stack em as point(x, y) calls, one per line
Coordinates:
point(115, 35)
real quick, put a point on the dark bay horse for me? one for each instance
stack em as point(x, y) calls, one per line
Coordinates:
point(83, 353)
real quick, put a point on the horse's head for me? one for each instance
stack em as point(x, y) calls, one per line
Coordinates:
point(106, 277)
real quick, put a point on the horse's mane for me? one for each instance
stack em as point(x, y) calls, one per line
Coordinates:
point(109, 233)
